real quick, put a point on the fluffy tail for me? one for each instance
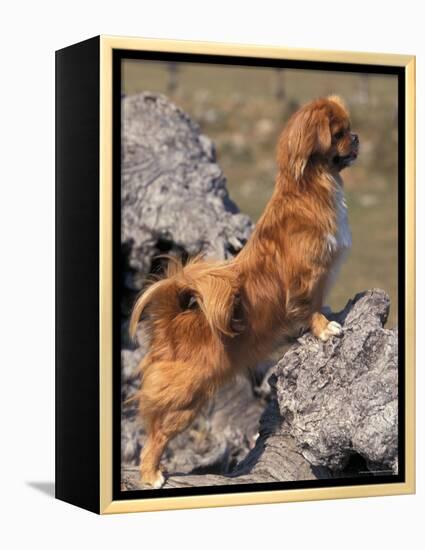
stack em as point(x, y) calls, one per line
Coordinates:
point(174, 266)
point(205, 288)
point(142, 302)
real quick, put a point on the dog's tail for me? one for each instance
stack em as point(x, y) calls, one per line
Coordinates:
point(205, 288)
point(141, 303)
point(156, 288)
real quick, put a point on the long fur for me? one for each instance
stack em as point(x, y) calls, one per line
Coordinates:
point(208, 320)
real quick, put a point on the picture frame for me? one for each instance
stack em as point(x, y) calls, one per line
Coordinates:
point(88, 229)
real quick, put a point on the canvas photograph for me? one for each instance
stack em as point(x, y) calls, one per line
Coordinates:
point(258, 254)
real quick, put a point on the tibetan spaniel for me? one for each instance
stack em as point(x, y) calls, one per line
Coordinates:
point(209, 320)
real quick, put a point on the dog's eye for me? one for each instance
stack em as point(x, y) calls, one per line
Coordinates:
point(187, 300)
point(339, 134)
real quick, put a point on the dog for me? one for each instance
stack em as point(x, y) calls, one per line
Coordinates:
point(208, 320)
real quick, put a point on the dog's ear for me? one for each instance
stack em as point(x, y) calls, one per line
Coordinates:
point(308, 132)
point(324, 137)
point(221, 304)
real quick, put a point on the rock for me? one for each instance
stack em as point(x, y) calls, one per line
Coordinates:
point(334, 411)
point(169, 167)
point(340, 399)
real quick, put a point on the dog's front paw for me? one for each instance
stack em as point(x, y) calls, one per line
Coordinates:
point(153, 481)
point(332, 329)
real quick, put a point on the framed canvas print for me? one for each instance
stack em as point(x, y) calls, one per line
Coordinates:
point(235, 274)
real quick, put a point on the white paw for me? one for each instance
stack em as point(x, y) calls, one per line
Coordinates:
point(154, 483)
point(159, 481)
point(332, 329)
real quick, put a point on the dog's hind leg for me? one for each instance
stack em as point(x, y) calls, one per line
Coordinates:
point(150, 456)
point(161, 431)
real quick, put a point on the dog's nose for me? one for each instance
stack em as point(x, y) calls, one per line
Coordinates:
point(355, 139)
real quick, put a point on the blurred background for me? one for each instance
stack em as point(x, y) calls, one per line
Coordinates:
point(243, 110)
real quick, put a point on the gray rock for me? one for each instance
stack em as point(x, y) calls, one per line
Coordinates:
point(340, 398)
point(174, 196)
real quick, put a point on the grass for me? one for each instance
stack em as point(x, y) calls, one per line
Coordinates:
point(244, 109)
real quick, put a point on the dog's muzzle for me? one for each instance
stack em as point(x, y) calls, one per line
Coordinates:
point(342, 161)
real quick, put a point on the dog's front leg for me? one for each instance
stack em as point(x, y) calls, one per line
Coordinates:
point(320, 325)
point(322, 328)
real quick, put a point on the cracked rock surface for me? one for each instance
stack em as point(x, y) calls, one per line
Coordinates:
point(340, 398)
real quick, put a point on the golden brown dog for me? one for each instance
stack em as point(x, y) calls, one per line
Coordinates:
point(208, 320)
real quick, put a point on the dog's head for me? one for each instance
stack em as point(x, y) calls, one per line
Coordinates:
point(319, 133)
point(194, 302)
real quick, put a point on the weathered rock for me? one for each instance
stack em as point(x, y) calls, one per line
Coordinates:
point(340, 398)
point(334, 402)
point(169, 168)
